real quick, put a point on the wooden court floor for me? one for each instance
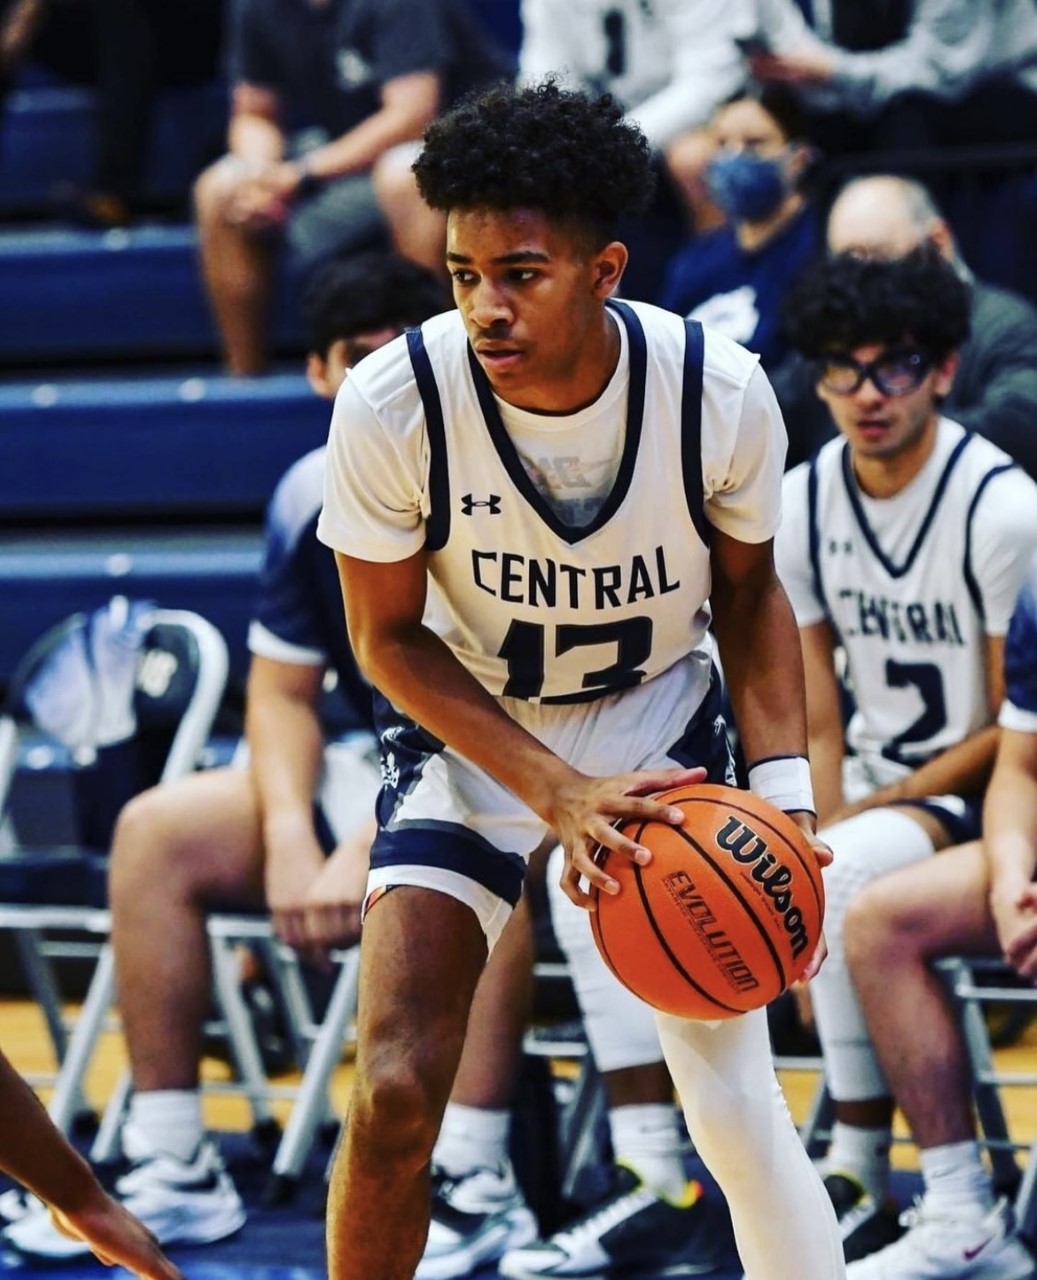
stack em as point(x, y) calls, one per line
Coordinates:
point(24, 1040)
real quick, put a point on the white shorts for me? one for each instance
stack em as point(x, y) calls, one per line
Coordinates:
point(445, 824)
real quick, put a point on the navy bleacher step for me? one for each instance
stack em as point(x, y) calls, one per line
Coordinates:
point(148, 446)
point(47, 137)
point(71, 294)
point(46, 577)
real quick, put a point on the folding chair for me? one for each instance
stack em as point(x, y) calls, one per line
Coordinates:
point(126, 697)
point(976, 982)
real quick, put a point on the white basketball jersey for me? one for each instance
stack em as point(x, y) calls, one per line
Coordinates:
point(539, 609)
point(913, 629)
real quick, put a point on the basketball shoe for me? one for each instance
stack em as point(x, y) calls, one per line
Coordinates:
point(180, 1202)
point(475, 1219)
point(866, 1225)
point(633, 1231)
point(950, 1248)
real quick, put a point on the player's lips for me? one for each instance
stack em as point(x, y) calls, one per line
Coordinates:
point(498, 355)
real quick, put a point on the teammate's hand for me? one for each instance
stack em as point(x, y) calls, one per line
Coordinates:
point(584, 815)
point(1016, 923)
point(115, 1237)
point(335, 899)
point(294, 860)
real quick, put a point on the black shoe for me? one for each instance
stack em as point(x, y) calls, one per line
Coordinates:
point(634, 1232)
point(866, 1225)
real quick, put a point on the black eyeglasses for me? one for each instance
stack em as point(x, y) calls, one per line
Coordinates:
point(895, 373)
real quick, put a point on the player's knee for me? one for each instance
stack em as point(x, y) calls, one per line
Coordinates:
point(394, 1110)
point(876, 927)
point(146, 849)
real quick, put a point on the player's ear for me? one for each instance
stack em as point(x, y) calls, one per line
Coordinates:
point(317, 374)
point(945, 372)
point(608, 267)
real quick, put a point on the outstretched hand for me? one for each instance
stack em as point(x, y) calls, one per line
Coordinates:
point(116, 1238)
point(585, 815)
point(1017, 932)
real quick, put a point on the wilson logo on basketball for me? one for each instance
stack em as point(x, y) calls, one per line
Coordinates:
point(699, 915)
point(749, 848)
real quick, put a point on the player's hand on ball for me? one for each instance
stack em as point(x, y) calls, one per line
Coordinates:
point(584, 815)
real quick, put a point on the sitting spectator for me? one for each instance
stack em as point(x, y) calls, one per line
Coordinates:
point(127, 50)
point(994, 388)
point(242, 835)
point(905, 540)
point(669, 63)
point(38, 1155)
point(734, 278)
point(904, 75)
point(976, 899)
point(360, 75)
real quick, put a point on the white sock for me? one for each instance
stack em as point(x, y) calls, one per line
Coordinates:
point(861, 1153)
point(167, 1120)
point(472, 1138)
point(956, 1182)
point(648, 1137)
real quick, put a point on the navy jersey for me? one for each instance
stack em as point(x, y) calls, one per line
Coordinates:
point(299, 616)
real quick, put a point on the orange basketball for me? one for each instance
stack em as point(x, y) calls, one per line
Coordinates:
point(726, 915)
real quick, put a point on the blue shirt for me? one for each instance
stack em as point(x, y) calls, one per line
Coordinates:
point(299, 615)
point(739, 293)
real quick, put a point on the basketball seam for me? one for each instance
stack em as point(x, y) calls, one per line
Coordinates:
point(764, 822)
point(650, 916)
point(749, 906)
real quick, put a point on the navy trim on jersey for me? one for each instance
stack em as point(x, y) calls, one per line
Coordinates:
point(893, 570)
point(452, 847)
point(704, 742)
point(815, 533)
point(437, 526)
point(970, 577)
point(508, 454)
point(960, 827)
point(691, 427)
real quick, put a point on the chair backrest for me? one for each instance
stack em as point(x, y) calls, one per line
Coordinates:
point(129, 692)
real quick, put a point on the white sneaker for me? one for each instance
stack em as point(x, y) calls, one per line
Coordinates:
point(934, 1248)
point(475, 1219)
point(180, 1202)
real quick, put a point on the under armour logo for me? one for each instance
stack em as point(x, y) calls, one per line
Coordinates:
point(468, 504)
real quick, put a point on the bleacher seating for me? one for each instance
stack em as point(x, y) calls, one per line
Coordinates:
point(152, 447)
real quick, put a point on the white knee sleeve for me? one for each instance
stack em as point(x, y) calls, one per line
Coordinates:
point(866, 847)
point(620, 1027)
point(740, 1124)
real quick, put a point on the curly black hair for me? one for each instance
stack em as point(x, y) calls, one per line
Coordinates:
point(571, 156)
point(847, 301)
point(344, 297)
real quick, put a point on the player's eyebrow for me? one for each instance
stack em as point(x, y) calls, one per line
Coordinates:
point(505, 259)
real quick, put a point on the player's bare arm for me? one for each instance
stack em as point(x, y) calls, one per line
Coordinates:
point(419, 674)
point(825, 730)
point(1010, 844)
point(286, 746)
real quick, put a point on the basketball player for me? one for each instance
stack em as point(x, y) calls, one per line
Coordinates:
point(904, 544)
point(978, 899)
point(564, 480)
point(37, 1154)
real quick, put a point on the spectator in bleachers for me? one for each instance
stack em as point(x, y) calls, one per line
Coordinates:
point(994, 388)
point(37, 1154)
point(734, 278)
point(905, 542)
point(255, 833)
point(126, 50)
point(669, 63)
point(321, 90)
point(979, 899)
point(904, 73)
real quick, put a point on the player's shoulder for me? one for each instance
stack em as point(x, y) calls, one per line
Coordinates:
point(996, 471)
point(300, 489)
point(386, 376)
point(723, 360)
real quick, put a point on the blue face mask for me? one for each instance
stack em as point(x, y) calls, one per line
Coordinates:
point(747, 187)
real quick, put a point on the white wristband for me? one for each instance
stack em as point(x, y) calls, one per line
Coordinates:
point(785, 782)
